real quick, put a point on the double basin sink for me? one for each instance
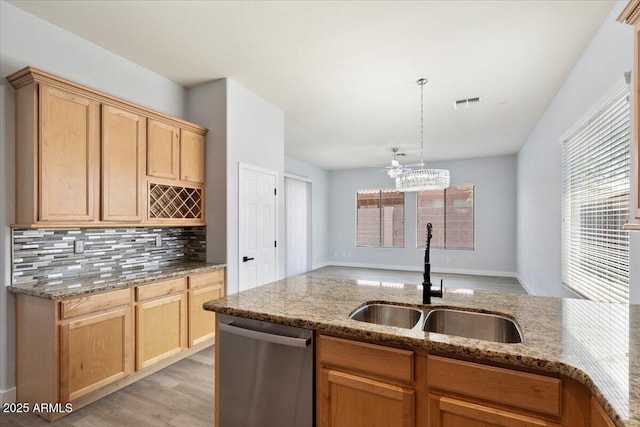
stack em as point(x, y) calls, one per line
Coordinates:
point(468, 324)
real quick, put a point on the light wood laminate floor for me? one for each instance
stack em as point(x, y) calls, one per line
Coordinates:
point(181, 395)
point(450, 281)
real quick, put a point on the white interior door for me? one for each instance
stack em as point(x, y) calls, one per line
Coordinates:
point(297, 208)
point(257, 227)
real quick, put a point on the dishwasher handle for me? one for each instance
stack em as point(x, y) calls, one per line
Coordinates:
point(264, 336)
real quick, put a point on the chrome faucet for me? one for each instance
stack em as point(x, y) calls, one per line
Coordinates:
point(427, 293)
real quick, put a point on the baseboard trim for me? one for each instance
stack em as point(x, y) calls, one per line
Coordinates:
point(433, 270)
point(319, 265)
point(8, 396)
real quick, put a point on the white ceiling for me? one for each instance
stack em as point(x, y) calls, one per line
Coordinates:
point(344, 72)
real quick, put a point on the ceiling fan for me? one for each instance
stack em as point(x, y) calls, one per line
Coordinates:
point(395, 167)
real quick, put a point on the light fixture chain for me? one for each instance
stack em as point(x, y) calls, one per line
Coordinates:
point(421, 121)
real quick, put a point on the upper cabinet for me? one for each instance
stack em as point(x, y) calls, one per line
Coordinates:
point(631, 15)
point(163, 150)
point(123, 151)
point(85, 158)
point(68, 166)
point(191, 157)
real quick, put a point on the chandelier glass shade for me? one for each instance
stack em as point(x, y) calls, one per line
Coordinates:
point(421, 179)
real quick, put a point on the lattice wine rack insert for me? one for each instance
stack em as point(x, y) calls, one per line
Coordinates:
point(169, 202)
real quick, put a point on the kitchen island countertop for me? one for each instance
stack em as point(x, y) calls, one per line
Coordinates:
point(597, 344)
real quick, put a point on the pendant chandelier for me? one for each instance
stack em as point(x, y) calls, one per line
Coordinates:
point(422, 179)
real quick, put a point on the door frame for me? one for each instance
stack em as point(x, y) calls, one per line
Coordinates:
point(309, 219)
point(276, 215)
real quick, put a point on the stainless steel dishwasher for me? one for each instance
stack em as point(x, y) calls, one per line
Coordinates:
point(266, 374)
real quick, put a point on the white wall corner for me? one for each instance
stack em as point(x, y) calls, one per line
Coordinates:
point(320, 265)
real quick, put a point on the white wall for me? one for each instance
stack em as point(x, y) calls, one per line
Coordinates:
point(28, 40)
point(495, 218)
point(254, 135)
point(604, 61)
point(319, 207)
point(207, 106)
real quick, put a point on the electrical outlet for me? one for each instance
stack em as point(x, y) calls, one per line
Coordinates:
point(158, 241)
point(78, 246)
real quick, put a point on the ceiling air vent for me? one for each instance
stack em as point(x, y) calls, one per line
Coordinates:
point(463, 104)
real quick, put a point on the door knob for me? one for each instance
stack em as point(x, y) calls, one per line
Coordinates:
point(246, 258)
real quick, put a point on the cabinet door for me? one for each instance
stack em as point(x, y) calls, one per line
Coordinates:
point(191, 156)
point(160, 329)
point(349, 400)
point(599, 418)
point(202, 322)
point(95, 350)
point(449, 412)
point(69, 165)
point(163, 150)
point(123, 148)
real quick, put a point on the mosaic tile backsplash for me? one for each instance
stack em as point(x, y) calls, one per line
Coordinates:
point(49, 255)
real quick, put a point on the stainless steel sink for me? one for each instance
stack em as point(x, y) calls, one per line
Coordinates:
point(469, 324)
point(388, 314)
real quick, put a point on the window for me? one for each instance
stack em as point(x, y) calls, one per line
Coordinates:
point(596, 202)
point(451, 213)
point(380, 218)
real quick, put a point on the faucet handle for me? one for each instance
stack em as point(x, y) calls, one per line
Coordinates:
point(438, 293)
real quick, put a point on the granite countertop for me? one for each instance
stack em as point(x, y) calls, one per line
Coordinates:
point(62, 289)
point(597, 344)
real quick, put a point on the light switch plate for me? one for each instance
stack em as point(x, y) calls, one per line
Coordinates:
point(158, 241)
point(78, 246)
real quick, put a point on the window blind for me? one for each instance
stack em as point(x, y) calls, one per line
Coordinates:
point(380, 218)
point(451, 212)
point(596, 203)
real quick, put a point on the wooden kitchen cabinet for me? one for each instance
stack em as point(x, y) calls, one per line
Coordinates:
point(599, 418)
point(363, 384)
point(95, 350)
point(163, 150)
point(352, 400)
point(123, 160)
point(68, 169)
point(452, 412)
point(85, 158)
point(203, 287)
point(80, 349)
point(191, 156)
point(161, 321)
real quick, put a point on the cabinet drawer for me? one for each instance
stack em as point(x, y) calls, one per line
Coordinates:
point(91, 303)
point(503, 386)
point(160, 289)
point(374, 360)
point(207, 279)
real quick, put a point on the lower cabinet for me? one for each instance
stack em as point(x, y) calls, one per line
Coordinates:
point(95, 351)
point(599, 418)
point(451, 412)
point(80, 349)
point(203, 287)
point(354, 400)
point(363, 384)
point(161, 321)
